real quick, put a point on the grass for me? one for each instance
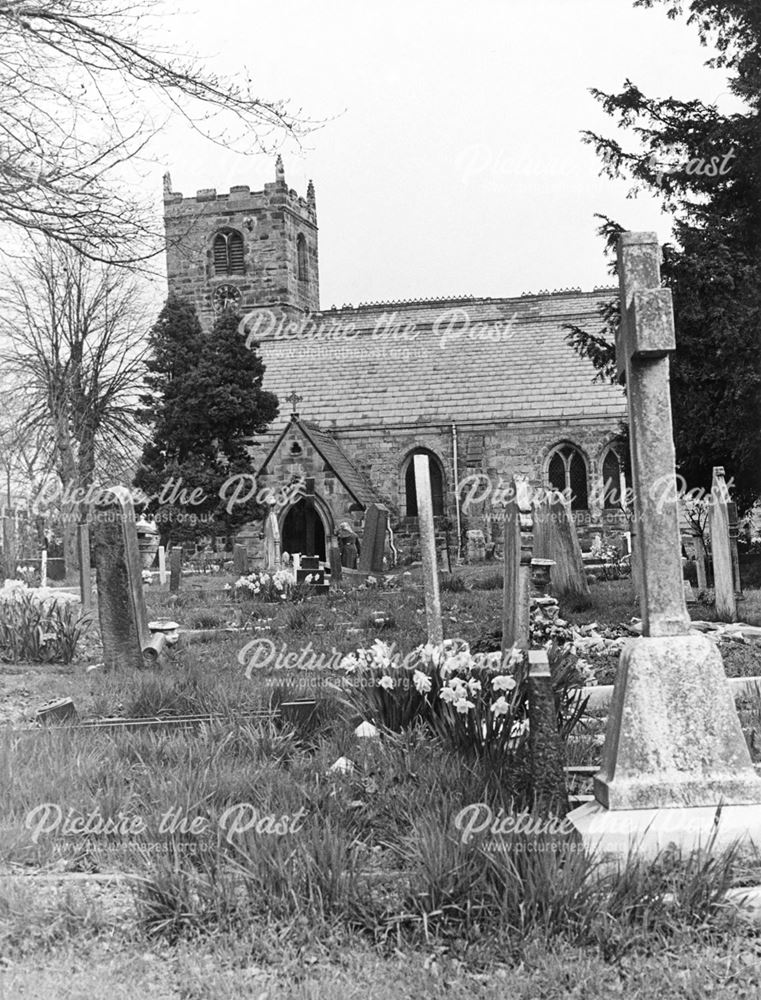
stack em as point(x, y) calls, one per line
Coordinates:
point(375, 895)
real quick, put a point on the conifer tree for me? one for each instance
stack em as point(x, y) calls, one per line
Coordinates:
point(204, 401)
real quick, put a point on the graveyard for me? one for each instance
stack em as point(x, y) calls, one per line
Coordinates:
point(380, 504)
point(257, 775)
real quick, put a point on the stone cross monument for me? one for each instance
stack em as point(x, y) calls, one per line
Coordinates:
point(674, 750)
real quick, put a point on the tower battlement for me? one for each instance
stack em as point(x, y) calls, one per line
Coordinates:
point(243, 247)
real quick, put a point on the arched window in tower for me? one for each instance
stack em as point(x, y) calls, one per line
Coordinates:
point(437, 484)
point(301, 257)
point(567, 472)
point(228, 252)
point(615, 481)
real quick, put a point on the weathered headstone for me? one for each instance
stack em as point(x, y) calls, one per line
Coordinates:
point(240, 560)
point(44, 568)
point(721, 551)
point(427, 549)
point(271, 541)
point(85, 582)
point(162, 564)
point(517, 579)
point(734, 532)
point(118, 575)
point(545, 746)
point(555, 538)
point(335, 565)
point(673, 737)
point(175, 569)
point(373, 539)
point(700, 560)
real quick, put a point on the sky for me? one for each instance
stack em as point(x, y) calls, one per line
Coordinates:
point(448, 160)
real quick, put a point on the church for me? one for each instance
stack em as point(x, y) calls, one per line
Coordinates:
point(487, 388)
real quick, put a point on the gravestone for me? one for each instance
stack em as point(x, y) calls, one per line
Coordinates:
point(373, 539)
point(734, 532)
point(83, 550)
point(162, 564)
point(175, 569)
point(700, 560)
point(240, 560)
point(721, 550)
point(516, 594)
point(118, 575)
point(428, 549)
point(475, 545)
point(335, 564)
point(271, 541)
point(555, 538)
point(545, 746)
point(674, 749)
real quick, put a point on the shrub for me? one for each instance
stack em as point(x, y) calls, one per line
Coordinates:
point(451, 582)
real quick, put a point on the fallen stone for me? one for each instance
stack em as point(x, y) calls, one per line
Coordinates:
point(62, 710)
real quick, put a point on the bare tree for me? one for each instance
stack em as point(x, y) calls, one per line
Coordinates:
point(73, 344)
point(75, 78)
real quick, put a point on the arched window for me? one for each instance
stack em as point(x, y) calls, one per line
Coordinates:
point(301, 257)
point(615, 481)
point(228, 252)
point(437, 484)
point(567, 472)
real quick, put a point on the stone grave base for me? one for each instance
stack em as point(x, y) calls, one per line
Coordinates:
point(673, 738)
point(615, 834)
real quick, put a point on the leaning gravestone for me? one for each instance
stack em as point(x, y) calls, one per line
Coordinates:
point(373, 539)
point(118, 575)
point(674, 750)
point(85, 580)
point(555, 538)
point(721, 549)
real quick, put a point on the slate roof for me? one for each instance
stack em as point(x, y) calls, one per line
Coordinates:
point(348, 473)
point(333, 455)
point(469, 360)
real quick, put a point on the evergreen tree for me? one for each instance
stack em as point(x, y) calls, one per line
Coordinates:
point(704, 165)
point(203, 400)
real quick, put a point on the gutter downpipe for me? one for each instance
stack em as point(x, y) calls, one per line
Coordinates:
point(455, 463)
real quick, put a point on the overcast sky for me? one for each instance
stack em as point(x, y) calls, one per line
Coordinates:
point(450, 161)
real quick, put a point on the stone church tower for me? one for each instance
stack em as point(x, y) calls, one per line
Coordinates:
point(250, 249)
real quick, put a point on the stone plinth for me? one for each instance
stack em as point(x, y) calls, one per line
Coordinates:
point(673, 737)
point(615, 835)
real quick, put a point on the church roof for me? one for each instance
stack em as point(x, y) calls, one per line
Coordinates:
point(333, 455)
point(343, 467)
point(415, 363)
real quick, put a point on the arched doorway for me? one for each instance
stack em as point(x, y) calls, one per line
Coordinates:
point(303, 531)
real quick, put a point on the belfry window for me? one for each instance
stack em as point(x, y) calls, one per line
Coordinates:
point(228, 252)
point(301, 257)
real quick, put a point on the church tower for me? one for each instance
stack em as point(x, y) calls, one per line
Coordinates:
point(247, 249)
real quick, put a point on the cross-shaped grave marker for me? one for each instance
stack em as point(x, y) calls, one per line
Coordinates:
point(674, 749)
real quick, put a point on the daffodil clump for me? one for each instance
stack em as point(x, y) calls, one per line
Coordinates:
point(278, 586)
point(471, 699)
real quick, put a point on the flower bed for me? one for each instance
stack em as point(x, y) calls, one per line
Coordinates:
point(278, 586)
point(39, 625)
point(475, 702)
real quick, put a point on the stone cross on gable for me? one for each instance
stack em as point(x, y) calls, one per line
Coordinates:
point(294, 399)
point(645, 339)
